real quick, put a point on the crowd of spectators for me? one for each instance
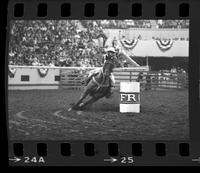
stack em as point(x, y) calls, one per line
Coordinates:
point(173, 24)
point(124, 24)
point(54, 43)
point(57, 43)
point(63, 42)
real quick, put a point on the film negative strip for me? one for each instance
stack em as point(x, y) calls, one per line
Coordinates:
point(103, 83)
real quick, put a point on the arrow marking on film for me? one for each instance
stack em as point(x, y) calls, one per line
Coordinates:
point(196, 160)
point(112, 160)
point(15, 159)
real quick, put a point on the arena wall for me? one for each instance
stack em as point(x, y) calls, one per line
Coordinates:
point(147, 46)
point(147, 34)
point(28, 78)
point(150, 48)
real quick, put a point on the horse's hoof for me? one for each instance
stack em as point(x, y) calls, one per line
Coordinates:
point(79, 112)
point(81, 104)
point(70, 109)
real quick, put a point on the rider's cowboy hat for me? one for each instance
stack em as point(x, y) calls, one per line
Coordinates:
point(110, 49)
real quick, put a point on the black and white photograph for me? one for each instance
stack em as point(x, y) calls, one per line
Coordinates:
point(98, 80)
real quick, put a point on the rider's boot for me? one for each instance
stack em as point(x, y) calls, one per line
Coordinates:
point(109, 94)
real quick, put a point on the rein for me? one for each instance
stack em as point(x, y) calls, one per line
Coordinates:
point(95, 81)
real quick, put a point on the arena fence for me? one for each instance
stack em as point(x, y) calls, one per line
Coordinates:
point(37, 77)
point(73, 79)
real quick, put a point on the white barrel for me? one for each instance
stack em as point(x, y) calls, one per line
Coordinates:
point(129, 97)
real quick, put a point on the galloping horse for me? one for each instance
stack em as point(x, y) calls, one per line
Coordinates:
point(97, 88)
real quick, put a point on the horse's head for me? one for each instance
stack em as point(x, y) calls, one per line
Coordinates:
point(108, 68)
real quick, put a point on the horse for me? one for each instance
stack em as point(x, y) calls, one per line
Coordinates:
point(97, 88)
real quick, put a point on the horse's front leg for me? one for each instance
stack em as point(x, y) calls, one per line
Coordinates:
point(76, 105)
point(89, 102)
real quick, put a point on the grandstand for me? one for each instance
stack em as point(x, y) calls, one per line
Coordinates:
point(78, 43)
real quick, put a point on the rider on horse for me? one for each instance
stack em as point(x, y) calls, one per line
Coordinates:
point(109, 57)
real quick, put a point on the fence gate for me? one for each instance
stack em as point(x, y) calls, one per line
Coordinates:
point(71, 78)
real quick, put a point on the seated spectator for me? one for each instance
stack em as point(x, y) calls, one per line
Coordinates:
point(140, 77)
point(148, 82)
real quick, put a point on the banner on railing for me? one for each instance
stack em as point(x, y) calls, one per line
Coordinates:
point(164, 45)
point(129, 44)
point(43, 71)
point(11, 71)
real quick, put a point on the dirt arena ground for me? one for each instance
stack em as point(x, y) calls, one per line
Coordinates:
point(43, 115)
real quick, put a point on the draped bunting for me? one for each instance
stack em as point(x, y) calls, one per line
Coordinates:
point(43, 72)
point(11, 71)
point(164, 45)
point(129, 44)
